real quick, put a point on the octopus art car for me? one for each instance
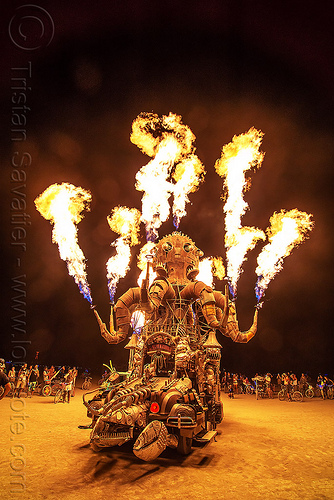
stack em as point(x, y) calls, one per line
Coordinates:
point(171, 395)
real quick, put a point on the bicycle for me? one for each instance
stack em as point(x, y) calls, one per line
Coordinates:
point(309, 393)
point(11, 391)
point(50, 388)
point(330, 392)
point(60, 396)
point(284, 394)
point(249, 389)
point(87, 383)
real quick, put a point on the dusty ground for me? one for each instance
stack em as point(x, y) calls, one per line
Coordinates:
point(266, 449)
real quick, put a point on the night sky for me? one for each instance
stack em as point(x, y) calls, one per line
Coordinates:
point(224, 66)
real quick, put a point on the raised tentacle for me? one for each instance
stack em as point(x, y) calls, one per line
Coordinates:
point(123, 316)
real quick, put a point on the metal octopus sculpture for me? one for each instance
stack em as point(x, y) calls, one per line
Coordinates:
point(171, 394)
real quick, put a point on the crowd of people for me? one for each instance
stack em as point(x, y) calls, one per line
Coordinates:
point(26, 378)
point(237, 383)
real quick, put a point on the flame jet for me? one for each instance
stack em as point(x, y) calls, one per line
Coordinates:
point(146, 254)
point(237, 157)
point(209, 268)
point(287, 230)
point(63, 204)
point(174, 169)
point(124, 221)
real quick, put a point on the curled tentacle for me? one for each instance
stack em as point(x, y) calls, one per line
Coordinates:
point(232, 327)
point(159, 290)
point(206, 296)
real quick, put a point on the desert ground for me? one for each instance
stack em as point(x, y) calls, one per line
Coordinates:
point(265, 449)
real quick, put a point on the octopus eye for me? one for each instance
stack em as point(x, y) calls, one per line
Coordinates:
point(188, 247)
point(167, 246)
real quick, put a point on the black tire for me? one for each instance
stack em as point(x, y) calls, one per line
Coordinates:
point(330, 393)
point(309, 393)
point(297, 396)
point(281, 395)
point(86, 385)
point(12, 390)
point(55, 388)
point(58, 396)
point(184, 446)
point(46, 391)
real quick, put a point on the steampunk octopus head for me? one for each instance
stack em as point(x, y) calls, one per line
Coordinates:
point(177, 258)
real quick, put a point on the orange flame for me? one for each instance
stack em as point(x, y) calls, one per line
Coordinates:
point(146, 254)
point(63, 204)
point(287, 230)
point(237, 157)
point(218, 268)
point(205, 271)
point(170, 142)
point(124, 221)
point(209, 268)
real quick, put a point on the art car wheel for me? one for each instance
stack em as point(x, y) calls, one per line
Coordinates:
point(151, 442)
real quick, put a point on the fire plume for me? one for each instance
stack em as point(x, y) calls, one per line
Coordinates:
point(63, 204)
point(209, 268)
point(174, 169)
point(205, 271)
point(146, 254)
point(218, 268)
point(287, 230)
point(124, 221)
point(239, 156)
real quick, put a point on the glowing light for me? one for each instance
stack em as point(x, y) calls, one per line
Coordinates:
point(237, 157)
point(137, 321)
point(154, 408)
point(124, 221)
point(63, 204)
point(287, 230)
point(170, 142)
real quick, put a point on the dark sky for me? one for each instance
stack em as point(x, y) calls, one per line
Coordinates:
point(225, 66)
